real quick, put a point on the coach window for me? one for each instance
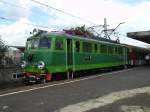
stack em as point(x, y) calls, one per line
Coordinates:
point(58, 44)
point(77, 46)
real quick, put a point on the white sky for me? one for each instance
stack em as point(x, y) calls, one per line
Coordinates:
point(135, 15)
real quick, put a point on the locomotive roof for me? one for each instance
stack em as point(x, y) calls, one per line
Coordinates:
point(65, 35)
point(98, 39)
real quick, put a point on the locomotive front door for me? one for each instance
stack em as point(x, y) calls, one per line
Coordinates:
point(69, 53)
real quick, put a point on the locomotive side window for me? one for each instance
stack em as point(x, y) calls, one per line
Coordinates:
point(77, 46)
point(120, 50)
point(87, 47)
point(44, 43)
point(103, 49)
point(116, 50)
point(59, 44)
point(110, 50)
point(96, 48)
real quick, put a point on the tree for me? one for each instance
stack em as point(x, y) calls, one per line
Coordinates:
point(3, 49)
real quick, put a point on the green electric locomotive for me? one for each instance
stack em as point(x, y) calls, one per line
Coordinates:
point(48, 53)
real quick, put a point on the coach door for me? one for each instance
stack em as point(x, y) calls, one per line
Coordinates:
point(69, 53)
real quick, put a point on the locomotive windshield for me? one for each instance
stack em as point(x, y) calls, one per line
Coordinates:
point(38, 43)
point(44, 43)
point(34, 44)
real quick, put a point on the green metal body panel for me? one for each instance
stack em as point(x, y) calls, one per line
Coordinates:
point(97, 61)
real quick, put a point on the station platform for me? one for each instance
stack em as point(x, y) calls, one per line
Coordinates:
point(126, 90)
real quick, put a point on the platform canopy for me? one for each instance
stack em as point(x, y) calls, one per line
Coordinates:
point(143, 36)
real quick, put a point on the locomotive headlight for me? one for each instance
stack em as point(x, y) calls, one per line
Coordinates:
point(23, 64)
point(41, 64)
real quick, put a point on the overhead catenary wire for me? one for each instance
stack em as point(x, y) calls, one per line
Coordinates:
point(14, 5)
point(11, 20)
point(18, 6)
point(59, 10)
point(48, 6)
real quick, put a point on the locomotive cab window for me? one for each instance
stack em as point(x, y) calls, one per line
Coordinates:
point(59, 44)
point(34, 43)
point(44, 43)
point(28, 44)
point(38, 43)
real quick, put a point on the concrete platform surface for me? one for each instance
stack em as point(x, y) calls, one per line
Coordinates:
point(119, 91)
